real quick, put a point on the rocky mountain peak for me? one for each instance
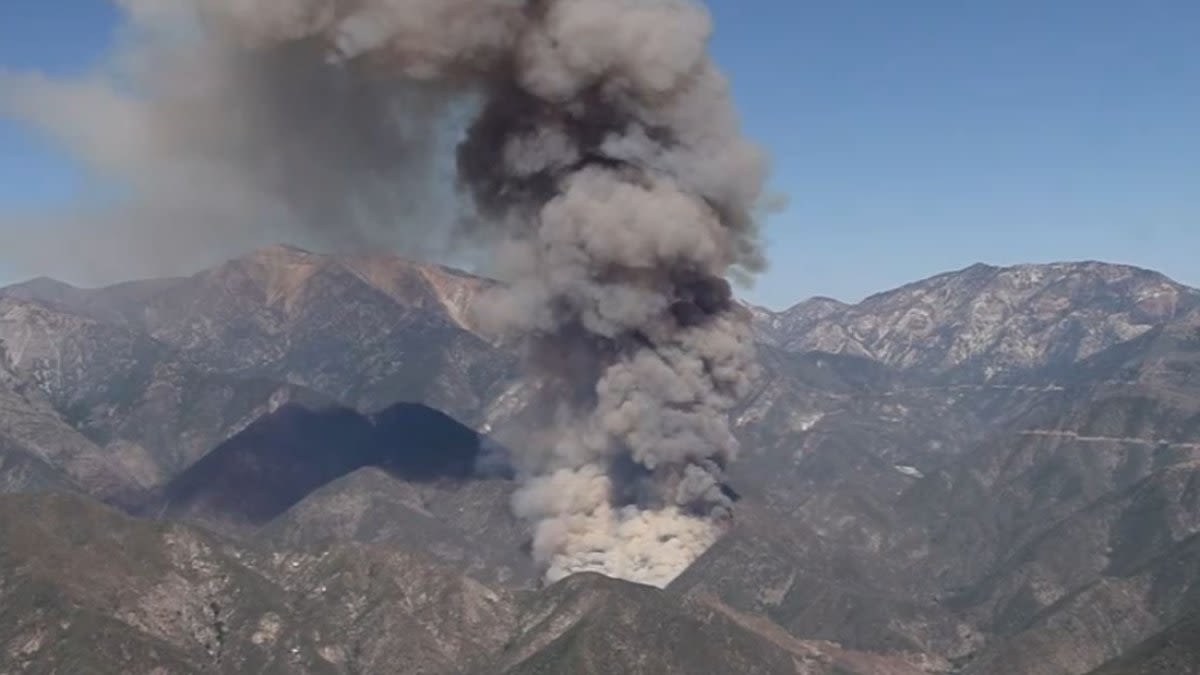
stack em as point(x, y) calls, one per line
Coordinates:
point(278, 276)
point(275, 277)
point(413, 283)
point(777, 328)
point(990, 320)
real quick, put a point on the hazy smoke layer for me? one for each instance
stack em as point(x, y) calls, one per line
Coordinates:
point(606, 173)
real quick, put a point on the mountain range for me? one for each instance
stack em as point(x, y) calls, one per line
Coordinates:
point(294, 462)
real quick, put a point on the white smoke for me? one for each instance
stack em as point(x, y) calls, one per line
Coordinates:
point(604, 168)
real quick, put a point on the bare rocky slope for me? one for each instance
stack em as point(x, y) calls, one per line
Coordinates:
point(986, 322)
point(84, 588)
point(993, 471)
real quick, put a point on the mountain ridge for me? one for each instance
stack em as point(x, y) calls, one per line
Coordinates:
point(930, 479)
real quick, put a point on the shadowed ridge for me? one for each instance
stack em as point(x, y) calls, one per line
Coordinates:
point(280, 459)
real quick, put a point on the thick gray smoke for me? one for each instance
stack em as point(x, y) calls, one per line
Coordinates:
point(206, 147)
point(607, 178)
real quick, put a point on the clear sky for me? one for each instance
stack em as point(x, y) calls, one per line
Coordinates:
point(911, 137)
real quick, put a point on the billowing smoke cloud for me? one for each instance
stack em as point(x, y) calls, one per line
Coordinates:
point(206, 147)
point(607, 180)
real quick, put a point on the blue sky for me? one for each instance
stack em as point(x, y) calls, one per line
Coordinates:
point(911, 138)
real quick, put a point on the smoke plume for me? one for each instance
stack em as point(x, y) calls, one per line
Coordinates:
point(606, 177)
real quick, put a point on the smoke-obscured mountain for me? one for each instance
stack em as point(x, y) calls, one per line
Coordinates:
point(991, 471)
point(365, 331)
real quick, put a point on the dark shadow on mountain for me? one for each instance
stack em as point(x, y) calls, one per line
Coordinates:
point(283, 457)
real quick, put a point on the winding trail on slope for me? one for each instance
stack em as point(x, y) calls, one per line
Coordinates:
point(1076, 436)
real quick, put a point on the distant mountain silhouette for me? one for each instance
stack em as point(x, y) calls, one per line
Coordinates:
point(283, 457)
